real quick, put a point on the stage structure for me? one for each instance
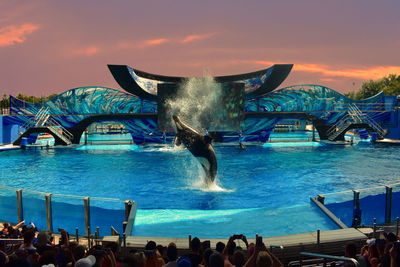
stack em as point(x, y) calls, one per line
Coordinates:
point(249, 107)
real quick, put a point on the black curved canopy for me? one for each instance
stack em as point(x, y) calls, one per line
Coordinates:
point(275, 75)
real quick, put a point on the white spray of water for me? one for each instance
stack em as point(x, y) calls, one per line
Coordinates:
point(197, 99)
point(165, 148)
point(194, 174)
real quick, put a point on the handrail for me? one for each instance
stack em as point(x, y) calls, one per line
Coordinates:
point(325, 256)
point(339, 124)
point(373, 123)
point(354, 115)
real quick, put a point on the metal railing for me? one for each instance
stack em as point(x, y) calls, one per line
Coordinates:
point(324, 258)
point(46, 206)
point(354, 115)
point(343, 122)
point(41, 117)
point(387, 213)
point(365, 118)
point(44, 119)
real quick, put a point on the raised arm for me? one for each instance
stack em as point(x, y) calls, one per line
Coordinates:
point(226, 249)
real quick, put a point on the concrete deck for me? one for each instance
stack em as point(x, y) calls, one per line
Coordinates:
point(388, 141)
point(9, 147)
point(341, 235)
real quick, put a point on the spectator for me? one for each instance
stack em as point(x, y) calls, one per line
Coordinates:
point(220, 247)
point(172, 255)
point(206, 257)
point(153, 257)
point(161, 251)
point(371, 253)
point(350, 251)
point(195, 254)
point(216, 260)
point(43, 241)
point(239, 258)
point(79, 252)
point(230, 248)
point(264, 259)
point(28, 240)
point(89, 261)
point(136, 259)
point(114, 248)
point(48, 257)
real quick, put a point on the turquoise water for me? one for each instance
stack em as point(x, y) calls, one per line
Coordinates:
point(264, 189)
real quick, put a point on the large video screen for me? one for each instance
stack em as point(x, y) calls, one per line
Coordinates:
point(202, 104)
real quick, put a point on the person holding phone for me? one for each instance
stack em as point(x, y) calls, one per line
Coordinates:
point(262, 257)
point(230, 248)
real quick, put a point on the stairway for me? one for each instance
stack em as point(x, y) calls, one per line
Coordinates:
point(44, 122)
point(354, 118)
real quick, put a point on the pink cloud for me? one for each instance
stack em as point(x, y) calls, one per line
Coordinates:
point(195, 37)
point(375, 72)
point(12, 34)
point(160, 41)
point(154, 42)
point(87, 51)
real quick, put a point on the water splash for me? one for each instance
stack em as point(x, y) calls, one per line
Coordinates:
point(197, 100)
point(165, 148)
point(213, 187)
point(195, 178)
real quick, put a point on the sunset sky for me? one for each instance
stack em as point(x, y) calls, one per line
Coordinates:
point(49, 46)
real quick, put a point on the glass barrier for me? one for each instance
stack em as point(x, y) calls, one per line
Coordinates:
point(68, 213)
point(34, 207)
point(341, 205)
point(8, 207)
point(106, 212)
point(372, 204)
point(396, 201)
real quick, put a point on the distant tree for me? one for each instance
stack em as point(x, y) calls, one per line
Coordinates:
point(5, 100)
point(390, 85)
point(34, 99)
point(353, 95)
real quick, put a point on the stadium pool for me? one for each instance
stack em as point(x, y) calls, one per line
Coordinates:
point(264, 189)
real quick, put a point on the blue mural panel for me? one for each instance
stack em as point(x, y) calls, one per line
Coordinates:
point(72, 106)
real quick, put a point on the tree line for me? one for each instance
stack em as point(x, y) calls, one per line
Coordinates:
point(5, 100)
point(390, 85)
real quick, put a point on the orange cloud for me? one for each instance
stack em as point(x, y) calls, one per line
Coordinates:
point(87, 51)
point(154, 42)
point(327, 79)
point(11, 35)
point(373, 73)
point(194, 37)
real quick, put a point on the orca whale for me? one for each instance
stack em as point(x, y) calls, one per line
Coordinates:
point(199, 145)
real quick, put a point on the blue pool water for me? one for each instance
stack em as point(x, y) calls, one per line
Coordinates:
point(264, 189)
